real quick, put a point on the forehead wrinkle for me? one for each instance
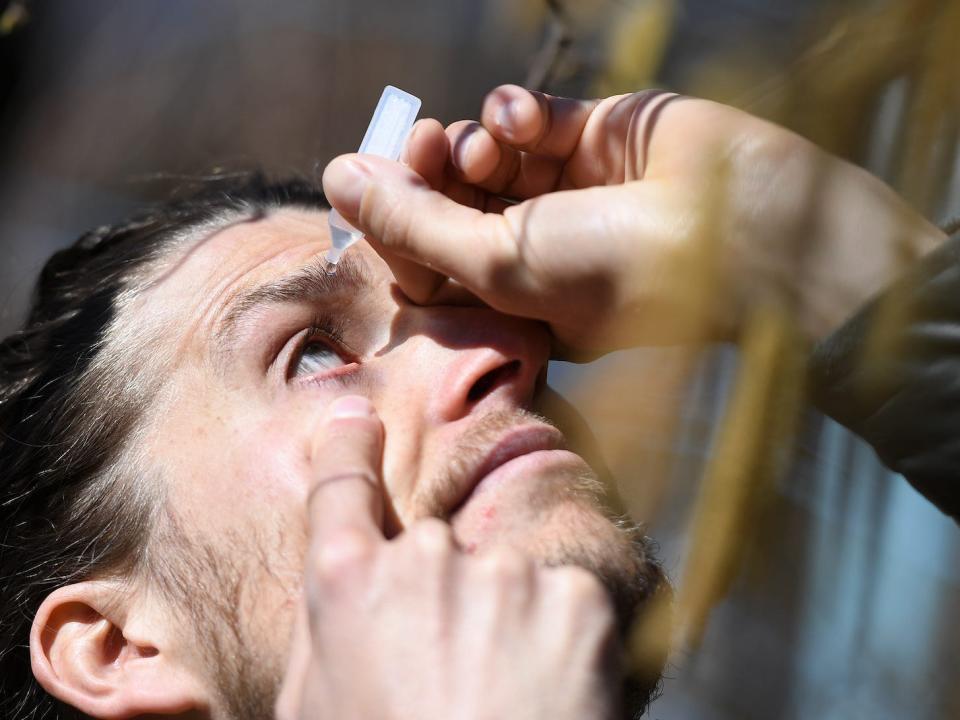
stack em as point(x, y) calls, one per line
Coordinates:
point(309, 284)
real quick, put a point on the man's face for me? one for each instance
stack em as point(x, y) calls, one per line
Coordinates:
point(263, 340)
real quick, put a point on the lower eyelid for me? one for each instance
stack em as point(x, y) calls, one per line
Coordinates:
point(347, 375)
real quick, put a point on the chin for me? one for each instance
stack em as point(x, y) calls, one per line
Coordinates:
point(550, 505)
point(563, 522)
point(547, 529)
point(559, 518)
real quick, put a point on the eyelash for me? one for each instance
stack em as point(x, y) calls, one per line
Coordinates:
point(331, 330)
point(328, 328)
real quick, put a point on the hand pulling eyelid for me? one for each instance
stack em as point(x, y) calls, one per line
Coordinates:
point(385, 137)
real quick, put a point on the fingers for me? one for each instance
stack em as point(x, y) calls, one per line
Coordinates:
point(522, 144)
point(426, 151)
point(548, 143)
point(418, 282)
point(397, 207)
point(535, 122)
point(473, 151)
point(345, 503)
point(518, 151)
point(517, 262)
point(479, 160)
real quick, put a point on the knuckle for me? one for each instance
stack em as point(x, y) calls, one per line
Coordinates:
point(345, 472)
point(341, 555)
point(505, 566)
point(354, 429)
point(582, 606)
point(433, 537)
point(581, 587)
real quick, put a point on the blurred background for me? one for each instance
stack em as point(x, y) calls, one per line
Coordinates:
point(841, 597)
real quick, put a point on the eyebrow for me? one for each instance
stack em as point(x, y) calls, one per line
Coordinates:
point(311, 284)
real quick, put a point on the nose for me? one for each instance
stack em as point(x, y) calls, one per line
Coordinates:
point(468, 357)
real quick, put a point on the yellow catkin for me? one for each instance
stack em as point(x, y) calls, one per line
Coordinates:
point(638, 38)
point(929, 143)
point(830, 93)
point(750, 447)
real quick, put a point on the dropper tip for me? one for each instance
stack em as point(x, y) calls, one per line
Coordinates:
point(330, 261)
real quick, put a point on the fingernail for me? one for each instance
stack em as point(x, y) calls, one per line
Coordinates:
point(462, 148)
point(351, 406)
point(344, 183)
point(405, 151)
point(507, 118)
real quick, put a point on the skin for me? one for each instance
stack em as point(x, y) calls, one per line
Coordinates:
point(503, 632)
point(636, 219)
point(242, 443)
point(695, 213)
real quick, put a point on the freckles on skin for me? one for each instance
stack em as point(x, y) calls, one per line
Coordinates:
point(205, 433)
point(246, 461)
point(238, 438)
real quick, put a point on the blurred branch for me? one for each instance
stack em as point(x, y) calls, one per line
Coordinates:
point(13, 15)
point(556, 43)
point(636, 46)
point(752, 448)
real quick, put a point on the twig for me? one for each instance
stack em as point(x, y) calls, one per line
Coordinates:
point(557, 42)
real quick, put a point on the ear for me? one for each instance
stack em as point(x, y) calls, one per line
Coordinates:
point(97, 649)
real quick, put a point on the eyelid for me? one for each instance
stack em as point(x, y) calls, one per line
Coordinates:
point(344, 376)
point(332, 329)
point(330, 332)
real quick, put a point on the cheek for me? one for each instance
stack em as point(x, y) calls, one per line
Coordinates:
point(246, 476)
point(275, 464)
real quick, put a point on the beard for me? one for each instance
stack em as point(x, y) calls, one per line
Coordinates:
point(590, 533)
point(587, 531)
point(218, 586)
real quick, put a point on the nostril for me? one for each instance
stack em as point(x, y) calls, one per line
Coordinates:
point(487, 382)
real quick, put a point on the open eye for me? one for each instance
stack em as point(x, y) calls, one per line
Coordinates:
point(317, 356)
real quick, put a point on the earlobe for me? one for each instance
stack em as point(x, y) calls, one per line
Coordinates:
point(82, 655)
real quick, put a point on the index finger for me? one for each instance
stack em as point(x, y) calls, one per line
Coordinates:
point(345, 501)
point(535, 122)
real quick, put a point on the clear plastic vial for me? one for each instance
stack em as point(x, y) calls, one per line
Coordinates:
point(386, 135)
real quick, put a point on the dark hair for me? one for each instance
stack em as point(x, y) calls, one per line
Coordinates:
point(74, 503)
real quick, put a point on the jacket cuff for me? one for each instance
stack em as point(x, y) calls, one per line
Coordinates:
point(892, 375)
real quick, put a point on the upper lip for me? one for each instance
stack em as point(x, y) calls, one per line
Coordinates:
point(512, 444)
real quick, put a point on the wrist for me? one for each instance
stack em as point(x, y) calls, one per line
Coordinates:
point(830, 237)
point(870, 237)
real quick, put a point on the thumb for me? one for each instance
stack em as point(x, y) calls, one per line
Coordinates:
point(397, 207)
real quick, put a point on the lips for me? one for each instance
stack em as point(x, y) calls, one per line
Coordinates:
point(515, 443)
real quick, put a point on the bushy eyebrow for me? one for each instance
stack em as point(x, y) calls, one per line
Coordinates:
point(311, 284)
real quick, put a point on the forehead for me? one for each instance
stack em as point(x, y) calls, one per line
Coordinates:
point(246, 252)
point(218, 265)
point(199, 284)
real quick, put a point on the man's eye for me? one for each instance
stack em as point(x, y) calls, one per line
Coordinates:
point(317, 357)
